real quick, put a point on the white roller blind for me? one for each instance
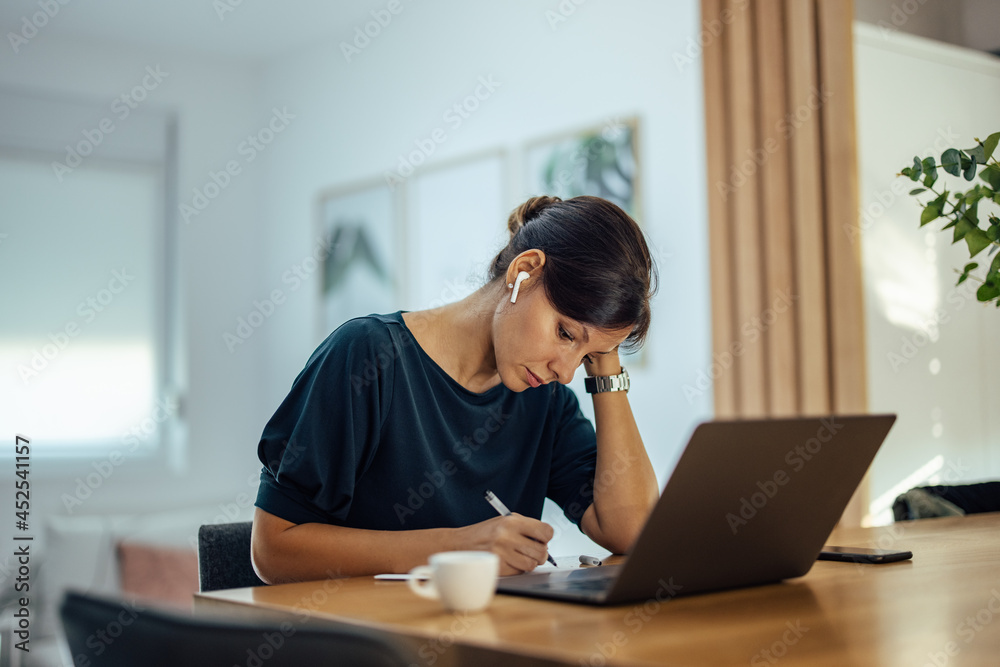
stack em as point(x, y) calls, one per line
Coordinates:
point(83, 263)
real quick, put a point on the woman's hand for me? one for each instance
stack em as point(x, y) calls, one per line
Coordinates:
point(603, 364)
point(520, 541)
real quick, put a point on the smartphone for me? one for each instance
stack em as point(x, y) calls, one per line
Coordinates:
point(862, 555)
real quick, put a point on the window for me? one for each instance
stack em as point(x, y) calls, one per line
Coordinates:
point(86, 263)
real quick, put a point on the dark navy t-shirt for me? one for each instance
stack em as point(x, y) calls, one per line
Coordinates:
point(374, 434)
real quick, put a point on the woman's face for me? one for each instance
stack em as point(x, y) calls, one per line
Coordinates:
point(535, 344)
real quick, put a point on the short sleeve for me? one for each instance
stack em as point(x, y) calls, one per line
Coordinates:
point(574, 457)
point(326, 431)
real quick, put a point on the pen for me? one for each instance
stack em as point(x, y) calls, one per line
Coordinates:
point(503, 511)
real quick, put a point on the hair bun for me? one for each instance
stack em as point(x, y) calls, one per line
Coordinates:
point(528, 211)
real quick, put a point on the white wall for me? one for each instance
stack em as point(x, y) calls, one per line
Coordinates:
point(606, 59)
point(931, 346)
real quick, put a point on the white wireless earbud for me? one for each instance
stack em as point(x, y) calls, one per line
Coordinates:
point(521, 277)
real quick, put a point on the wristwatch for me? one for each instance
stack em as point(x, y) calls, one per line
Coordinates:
point(598, 384)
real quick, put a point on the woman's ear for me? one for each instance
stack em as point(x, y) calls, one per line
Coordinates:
point(530, 262)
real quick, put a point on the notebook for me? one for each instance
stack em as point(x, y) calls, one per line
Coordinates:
point(749, 502)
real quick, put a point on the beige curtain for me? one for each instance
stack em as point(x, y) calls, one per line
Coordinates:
point(787, 310)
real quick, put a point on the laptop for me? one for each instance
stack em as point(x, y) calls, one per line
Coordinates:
point(749, 502)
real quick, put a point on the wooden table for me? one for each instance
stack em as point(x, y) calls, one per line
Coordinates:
point(941, 608)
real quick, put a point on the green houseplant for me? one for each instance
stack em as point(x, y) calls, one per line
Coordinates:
point(962, 208)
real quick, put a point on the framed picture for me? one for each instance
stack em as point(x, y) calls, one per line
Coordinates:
point(457, 215)
point(600, 161)
point(364, 265)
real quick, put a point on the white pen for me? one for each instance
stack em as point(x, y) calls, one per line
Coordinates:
point(503, 511)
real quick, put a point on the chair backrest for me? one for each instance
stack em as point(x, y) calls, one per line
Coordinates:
point(105, 632)
point(224, 557)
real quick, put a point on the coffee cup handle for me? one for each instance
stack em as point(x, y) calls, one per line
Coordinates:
point(422, 583)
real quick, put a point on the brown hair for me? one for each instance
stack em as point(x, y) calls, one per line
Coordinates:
point(598, 268)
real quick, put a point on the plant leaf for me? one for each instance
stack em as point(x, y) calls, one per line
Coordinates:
point(965, 272)
point(992, 176)
point(993, 231)
point(977, 154)
point(930, 212)
point(962, 227)
point(977, 241)
point(988, 291)
point(970, 171)
point(990, 145)
point(951, 161)
point(930, 171)
point(917, 191)
point(973, 195)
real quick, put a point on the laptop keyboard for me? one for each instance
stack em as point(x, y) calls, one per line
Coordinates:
point(580, 584)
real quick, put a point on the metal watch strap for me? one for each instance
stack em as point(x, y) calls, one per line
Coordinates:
point(598, 384)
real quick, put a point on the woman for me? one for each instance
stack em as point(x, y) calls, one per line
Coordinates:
point(381, 452)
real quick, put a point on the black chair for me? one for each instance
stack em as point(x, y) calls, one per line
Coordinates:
point(103, 632)
point(224, 557)
point(925, 502)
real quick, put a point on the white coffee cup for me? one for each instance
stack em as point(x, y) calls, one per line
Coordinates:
point(462, 580)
